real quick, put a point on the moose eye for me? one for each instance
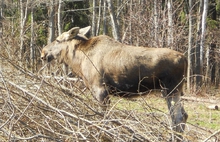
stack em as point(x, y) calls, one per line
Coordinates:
point(58, 41)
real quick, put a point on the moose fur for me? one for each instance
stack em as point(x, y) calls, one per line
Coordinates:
point(110, 67)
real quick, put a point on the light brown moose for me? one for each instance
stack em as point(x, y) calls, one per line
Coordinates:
point(110, 67)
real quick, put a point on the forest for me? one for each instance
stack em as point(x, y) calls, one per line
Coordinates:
point(42, 102)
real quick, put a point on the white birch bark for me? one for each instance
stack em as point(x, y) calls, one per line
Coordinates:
point(155, 24)
point(203, 30)
point(59, 17)
point(94, 18)
point(51, 29)
point(189, 47)
point(1, 16)
point(23, 19)
point(115, 29)
point(170, 24)
point(104, 18)
point(99, 17)
point(32, 39)
point(130, 23)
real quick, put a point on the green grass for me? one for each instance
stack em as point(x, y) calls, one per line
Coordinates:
point(198, 114)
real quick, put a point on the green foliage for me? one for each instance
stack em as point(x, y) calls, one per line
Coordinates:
point(73, 17)
point(67, 26)
point(42, 36)
point(218, 8)
point(183, 17)
point(212, 24)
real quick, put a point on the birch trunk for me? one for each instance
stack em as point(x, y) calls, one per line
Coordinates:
point(104, 18)
point(1, 16)
point(130, 23)
point(23, 19)
point(32, 53)
point(59, 17)
point(198, 69)
point(189, 47)
point(203, 28)
point(99, 17)
point(115, 30)
point(51, 29)
point(94, 18)
point(155, 24)
point(170, 24)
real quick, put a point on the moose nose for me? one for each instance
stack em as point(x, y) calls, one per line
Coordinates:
point(43, 55)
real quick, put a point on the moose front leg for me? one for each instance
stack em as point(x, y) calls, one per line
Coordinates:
point(177, 112)
point(101, 95)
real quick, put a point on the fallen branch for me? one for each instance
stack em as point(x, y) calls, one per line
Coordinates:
point(199, 100)
point(213, 107)
point(214, 134)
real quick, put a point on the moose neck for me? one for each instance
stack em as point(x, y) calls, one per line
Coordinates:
point(72, 57)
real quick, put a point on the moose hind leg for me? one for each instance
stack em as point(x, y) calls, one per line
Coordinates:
point(177, 112)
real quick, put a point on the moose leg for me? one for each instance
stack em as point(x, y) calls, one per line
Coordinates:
point(177, 112)
point(101, 95)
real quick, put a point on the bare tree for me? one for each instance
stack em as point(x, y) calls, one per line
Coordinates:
point(198, 69)
point(170, 24)
point(51, 29)
point(203, 26)
point(189, 47)
point(115, 29)
point(1, 16)
point(104, 18)
point(99, 17)
point(23, 19)
point(155, 23)
point(32, 39)
point(94, 18)
point(59, 17)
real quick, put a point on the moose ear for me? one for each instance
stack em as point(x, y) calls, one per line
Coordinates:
point(68, 35)
point(84, 31)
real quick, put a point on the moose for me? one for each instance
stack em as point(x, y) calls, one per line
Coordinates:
point(110, 67)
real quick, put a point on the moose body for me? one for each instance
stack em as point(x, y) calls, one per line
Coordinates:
point(110, 67)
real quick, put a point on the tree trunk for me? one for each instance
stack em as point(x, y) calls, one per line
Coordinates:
point(189, 47)
point(59, 17)
point(94, 18)
point(130, 23)
point(32, 51)
point(115, 29)
point(51, 29)
point(104, 18)
point(23, 19)
point(203, 26)
point(155, 24)
point(170, 24)
point(99, 17)
point(198, 69)
point(1, 17)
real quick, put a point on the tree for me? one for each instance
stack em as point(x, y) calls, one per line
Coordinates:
point(32, 50)
point(189, 47)
point(59, 17)
point(203, 30)
point(23, 19)
point(51, 27)
point(170, 24)
point(155, 23)
point(198, 69)
point(94, 18)
point(104, 18)
point(115, 29)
